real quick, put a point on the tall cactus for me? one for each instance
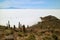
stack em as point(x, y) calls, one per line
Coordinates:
point(19, 25)
point(24, 30)
point(14, 27)
point(8, 24)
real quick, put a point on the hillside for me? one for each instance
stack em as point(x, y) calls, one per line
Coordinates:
point(48, 22)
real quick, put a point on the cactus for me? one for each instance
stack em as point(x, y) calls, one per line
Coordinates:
point(24, 30)
point(14, 27)
point(8, 24)
point(19, 25)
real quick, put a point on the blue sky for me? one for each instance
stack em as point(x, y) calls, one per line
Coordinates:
point(30, 4)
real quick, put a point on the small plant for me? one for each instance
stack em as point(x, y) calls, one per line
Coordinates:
point(20, 34)
point(55, 37)
point(47, 38)
point(8, 32)
point(31, 37)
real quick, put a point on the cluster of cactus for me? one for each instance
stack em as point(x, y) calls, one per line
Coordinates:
point(19, 26)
